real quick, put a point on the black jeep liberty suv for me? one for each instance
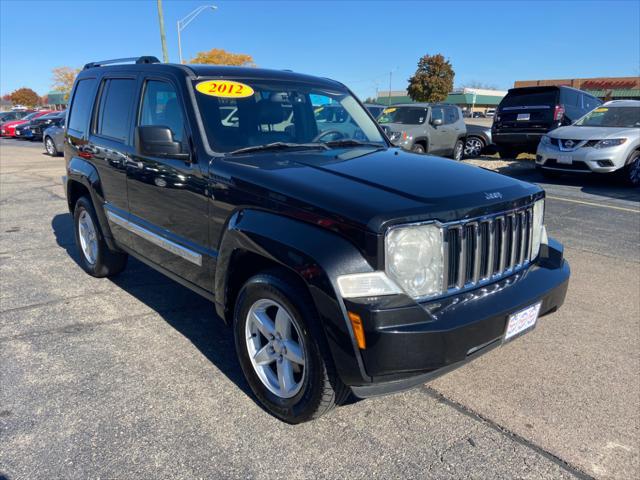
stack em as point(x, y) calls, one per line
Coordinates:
point(343, 264)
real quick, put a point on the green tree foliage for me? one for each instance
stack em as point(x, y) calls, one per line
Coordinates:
point(433, 79)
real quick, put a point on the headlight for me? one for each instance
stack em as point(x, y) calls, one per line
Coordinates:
point(538, 228)
point(614, 142)
point(545, 140)
point(393, 136)
point(414, 259)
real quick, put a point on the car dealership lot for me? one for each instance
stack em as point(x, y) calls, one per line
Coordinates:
point(136, 376)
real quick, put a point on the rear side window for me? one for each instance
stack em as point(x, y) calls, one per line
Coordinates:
point(81, 106)
point(570, 98)
point(116, 100)
point(450, 115)
point(529, 98)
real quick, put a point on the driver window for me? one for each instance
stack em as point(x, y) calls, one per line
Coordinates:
point(160, 106)
point(437, 113)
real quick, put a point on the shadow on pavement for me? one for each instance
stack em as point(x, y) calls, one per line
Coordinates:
point(186, 311)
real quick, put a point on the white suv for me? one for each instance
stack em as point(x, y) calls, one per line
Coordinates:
point(607, 139)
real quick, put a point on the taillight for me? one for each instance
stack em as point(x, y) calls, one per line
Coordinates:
point(558, 113)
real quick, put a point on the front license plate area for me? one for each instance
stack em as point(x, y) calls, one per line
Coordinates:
point(522, 321)
point(523, 117)
point(565, 159)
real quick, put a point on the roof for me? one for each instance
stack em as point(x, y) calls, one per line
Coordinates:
point(217, 71)
point(622, 103)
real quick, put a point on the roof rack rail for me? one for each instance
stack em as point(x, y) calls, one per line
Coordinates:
point(138, 60)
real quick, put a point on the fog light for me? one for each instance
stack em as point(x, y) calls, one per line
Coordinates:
point(605, 163)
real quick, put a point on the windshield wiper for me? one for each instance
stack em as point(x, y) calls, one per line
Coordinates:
point(281, 146)
point(350, 142)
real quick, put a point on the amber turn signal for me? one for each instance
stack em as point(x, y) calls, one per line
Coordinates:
point(358, 330)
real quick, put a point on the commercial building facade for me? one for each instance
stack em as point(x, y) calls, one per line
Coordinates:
point(605, 88)
point(469, 99)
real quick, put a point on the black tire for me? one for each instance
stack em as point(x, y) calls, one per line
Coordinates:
point(473, 146)
point(458, 151)
point(632, 170)
point(106, 263)
point(418, 148)
point(508, 153)
point(50, 146)
point(321, 388)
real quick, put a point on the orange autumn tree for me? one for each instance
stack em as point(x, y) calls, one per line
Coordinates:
point(63, 78)
point(218, 56)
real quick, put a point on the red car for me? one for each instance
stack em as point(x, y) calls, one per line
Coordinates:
point(8, 129)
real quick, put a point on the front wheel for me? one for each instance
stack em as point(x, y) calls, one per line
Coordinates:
point(473, 147)
point(95, 256)
point(632, 170)
point(458, 150)
point(417, 148)
point(50, 147)
point(282, 351)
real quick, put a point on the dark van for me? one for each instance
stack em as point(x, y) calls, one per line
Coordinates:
point(525, 114)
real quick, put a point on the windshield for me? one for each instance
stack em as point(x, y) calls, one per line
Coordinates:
point(30, 116)
point(530, 98)
point(621, 117)
point(264, 112)
point(404, 115)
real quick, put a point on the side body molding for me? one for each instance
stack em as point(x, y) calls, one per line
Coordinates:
point(314, 254)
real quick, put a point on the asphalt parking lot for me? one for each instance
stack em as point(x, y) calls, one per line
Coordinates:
point(135, 377)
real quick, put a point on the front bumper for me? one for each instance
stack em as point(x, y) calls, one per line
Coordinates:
point(583, 159)
point(410, 344)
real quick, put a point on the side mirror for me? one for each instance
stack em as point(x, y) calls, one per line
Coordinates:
point(157, 141)
point(436, 122)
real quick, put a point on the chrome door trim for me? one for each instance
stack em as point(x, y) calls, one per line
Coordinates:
point(161, 242)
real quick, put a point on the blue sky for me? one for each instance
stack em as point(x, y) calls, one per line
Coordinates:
point(356, 42)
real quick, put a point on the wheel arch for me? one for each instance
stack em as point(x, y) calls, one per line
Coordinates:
point(257, 240)
point(83, 179)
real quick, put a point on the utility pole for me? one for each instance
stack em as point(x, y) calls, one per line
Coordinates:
point(389, 96)
point(163, 38)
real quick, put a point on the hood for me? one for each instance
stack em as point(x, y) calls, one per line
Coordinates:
point(377, 187)
point(592, 133)
point(14, 123)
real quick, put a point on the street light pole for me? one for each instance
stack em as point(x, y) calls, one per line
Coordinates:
point(182, 24)
point(163, 38)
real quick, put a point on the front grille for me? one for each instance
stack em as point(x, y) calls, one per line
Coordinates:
point(487, 249)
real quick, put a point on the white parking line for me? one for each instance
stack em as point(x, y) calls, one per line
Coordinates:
point(592, 204)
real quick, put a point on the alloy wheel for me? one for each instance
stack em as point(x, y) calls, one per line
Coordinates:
point(275, 347)
point(634, 172)
point(472, 147)
point(457, 153)
point(51, 149)
point(88, 237)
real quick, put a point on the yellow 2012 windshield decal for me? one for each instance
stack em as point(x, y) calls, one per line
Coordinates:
point(224, 89)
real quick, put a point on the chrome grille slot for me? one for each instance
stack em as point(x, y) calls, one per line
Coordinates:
point(486, 249)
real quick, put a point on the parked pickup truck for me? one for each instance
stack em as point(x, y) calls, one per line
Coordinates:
point(343, 264)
